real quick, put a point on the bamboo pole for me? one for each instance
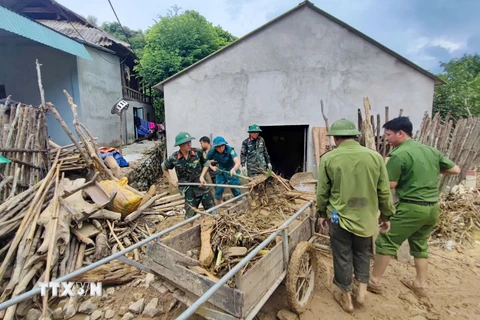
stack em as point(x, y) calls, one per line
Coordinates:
point(53, 235)
point(26, 220)
point(70, 134)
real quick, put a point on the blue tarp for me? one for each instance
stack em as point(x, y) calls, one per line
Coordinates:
point(116, 155)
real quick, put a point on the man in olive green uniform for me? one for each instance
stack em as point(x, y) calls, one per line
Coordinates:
point(189, 165)
point(254, 153)
point(352, 187)
point(414, 172)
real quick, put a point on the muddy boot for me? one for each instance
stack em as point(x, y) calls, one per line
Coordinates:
point(345, 300)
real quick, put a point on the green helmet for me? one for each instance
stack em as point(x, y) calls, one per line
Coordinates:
point(343, 128)
point(254, 128)
point(4, 160)
point(182, 138)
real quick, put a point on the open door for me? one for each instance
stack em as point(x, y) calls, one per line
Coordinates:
point(287, 147)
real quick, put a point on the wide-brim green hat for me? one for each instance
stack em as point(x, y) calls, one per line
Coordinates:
point(254, 128)
point(219, 141)
point(343, 128)
point(183, 137)
point(4, 160)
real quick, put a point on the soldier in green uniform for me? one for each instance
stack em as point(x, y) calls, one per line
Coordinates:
point(189, 165)
point(352, 187)
point(414, 172)
point(254, 152)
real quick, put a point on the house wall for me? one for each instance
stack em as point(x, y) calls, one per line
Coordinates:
point(100, 88)
point(279, 75)
point(59, 71)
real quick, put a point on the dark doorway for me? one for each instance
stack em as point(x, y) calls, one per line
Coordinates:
point(287, 146)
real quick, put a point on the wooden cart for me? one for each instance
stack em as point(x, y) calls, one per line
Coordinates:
point(253, 288)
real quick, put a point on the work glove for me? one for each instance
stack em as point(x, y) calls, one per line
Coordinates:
point(269, 166)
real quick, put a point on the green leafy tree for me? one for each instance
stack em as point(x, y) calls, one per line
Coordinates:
point(92, 20)
point(177, 41)
point(135, 37)
point(461, 95)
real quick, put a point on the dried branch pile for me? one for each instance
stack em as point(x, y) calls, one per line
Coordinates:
point(24, 142)
point(459, 217)
point(59, 225)
point(233, 234)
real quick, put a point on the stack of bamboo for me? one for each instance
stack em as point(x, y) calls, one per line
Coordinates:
point(40, 238)
point(24, 142)
point(371, 128)
point(459, 142)
point(369, 125)
point(72, 159)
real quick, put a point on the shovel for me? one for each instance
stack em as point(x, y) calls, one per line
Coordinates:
point(212, 185)
point(235, 174)
point(304, 182)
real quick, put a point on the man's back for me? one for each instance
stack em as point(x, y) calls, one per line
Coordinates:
point(416, 168)
point(358, 180)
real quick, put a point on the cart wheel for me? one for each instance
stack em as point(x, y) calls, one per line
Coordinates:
point(301, 276)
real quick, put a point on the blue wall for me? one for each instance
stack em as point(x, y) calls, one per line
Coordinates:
point(59, 71)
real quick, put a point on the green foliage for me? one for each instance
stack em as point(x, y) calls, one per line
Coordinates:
point(135, 37)
point(461, 95)
point(92, 20)
point(177, 41)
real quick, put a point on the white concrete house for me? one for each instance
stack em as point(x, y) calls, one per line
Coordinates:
point(276, 76)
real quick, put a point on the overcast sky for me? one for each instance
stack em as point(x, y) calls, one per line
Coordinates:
point(424, 31)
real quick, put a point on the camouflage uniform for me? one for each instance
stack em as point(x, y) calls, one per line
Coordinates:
point(254, 153)
point(212, 173)
point(189, 170)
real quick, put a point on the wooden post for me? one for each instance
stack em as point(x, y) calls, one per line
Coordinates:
point(121, 133)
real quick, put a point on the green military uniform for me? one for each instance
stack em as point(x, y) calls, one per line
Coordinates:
point(416, 168)
point(254, 153)
point(189, 170)
point(353, 182)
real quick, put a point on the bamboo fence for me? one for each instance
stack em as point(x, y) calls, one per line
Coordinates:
point(459, 142)
point(23, 140)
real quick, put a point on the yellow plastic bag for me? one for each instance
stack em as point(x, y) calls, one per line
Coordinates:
point(125, 201)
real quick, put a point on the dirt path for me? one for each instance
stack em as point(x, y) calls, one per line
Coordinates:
point(453, 288)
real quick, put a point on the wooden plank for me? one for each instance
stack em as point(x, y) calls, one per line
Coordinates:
point(256, 281)
point(188, 240)
point(170, 258)
point(323, 140)
point(316, 144)
point(300, 233)
point(226, 298)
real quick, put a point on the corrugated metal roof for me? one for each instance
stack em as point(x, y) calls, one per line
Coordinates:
point(15, 23)
point(82, 32)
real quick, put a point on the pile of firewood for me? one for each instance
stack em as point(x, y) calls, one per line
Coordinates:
point(59, 225)
point(23, 142)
